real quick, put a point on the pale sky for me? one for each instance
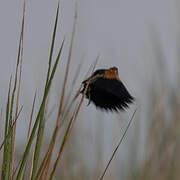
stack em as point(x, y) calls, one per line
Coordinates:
point(124, 32)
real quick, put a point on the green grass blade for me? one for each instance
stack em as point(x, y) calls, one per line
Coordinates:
point(4, 164)
point(47, 159)
point(25, 155)
point(42, 119)
point(10, 129)
point(52, 44)
point(53, 71)
point(38, 142)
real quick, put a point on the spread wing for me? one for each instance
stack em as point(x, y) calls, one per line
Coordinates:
point(110, 94)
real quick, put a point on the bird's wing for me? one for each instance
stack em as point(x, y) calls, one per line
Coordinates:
point(114, 87)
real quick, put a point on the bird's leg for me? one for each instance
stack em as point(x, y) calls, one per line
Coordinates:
point(87, 82)
point(89, 97)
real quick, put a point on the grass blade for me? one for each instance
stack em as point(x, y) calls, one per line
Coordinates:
point(53, 71)
point(42, 119)
point(67, 133)
point(25, 155)
point(29, 130)
point(31, 116)
point(117, 147)
point(10, 129)
point(46, 161)
point(19, 87)
point(52, 44)
point(4, 164)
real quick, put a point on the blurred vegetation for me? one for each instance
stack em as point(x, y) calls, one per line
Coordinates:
point(44, 159)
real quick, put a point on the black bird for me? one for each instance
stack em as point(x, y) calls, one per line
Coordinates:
point(107, 91)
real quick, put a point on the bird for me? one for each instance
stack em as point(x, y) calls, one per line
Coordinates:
point(106, 91)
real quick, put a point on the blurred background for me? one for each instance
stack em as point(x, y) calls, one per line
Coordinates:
point(141, 38)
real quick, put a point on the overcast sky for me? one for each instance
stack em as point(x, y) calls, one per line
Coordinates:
point(122, 32)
